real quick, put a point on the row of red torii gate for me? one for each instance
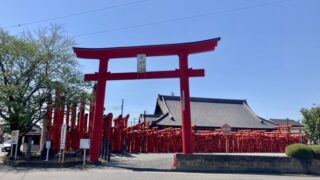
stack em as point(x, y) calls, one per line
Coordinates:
point(95, 126)
point(142, 137)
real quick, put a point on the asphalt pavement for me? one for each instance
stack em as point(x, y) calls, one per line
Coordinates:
point(115, 174)
point(131, 167)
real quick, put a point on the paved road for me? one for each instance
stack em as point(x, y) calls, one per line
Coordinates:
point(130, 167)
point(110, 174)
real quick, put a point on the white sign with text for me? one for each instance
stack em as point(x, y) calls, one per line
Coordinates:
point(141, 63)
point(84, 143)
point(14, 137)
point(63, 136)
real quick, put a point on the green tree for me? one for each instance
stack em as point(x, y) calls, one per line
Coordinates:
point(311, 122)
point(32, 66)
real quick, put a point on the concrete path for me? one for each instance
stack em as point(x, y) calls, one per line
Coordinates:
point(142, 161)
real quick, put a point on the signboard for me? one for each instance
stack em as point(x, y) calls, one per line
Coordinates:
point(84, 143)
point(141, 63)
point(14, 137)
point(48, 144)
point(226, 128)
point(63, 136)
point(14, 140)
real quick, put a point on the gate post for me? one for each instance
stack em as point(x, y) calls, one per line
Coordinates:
point(96, 135)
point(185, 104)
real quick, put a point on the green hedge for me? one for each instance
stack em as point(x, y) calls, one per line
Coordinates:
point(316, 151)
point(315, 148)
point(299, 151)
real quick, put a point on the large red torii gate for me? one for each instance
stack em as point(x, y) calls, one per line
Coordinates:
point(105, 54)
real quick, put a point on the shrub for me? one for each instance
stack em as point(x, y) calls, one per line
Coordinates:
point(299, 151)
point(316, 151)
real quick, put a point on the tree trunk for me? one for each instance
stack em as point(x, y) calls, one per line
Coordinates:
point(29, 146)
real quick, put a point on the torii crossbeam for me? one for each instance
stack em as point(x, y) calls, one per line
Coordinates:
point(182, 50)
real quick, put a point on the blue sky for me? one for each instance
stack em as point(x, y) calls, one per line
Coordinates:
point(268, 53)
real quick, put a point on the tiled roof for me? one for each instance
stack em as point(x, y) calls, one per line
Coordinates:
point(209, 112)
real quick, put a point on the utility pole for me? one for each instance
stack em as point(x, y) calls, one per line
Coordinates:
point(134, 121)
point(287, 125)
point(122, 107)
point(143, 131)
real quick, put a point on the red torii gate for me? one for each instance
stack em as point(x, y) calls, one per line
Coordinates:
point(105, 54)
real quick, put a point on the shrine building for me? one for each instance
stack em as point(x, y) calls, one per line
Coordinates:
point(207, 114)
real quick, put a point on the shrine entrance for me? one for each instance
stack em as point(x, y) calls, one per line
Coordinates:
point(182, 50)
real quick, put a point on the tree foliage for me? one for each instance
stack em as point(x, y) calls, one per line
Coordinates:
point(311, 122)
point(32, 66)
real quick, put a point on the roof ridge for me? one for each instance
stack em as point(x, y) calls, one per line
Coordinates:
point(165, 105)
point(159, 119)
point(283, 119)
point(204, 99)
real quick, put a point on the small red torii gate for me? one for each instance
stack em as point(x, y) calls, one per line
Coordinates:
point(183, 73)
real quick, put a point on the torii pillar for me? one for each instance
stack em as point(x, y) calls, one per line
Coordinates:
point(182, 50)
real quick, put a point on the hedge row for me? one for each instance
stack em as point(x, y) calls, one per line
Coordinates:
point(302, 151)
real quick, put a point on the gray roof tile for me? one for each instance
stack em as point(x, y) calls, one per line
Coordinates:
point(208, 112)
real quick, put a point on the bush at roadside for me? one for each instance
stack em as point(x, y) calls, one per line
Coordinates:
point(299, 151)
point(316, 151)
